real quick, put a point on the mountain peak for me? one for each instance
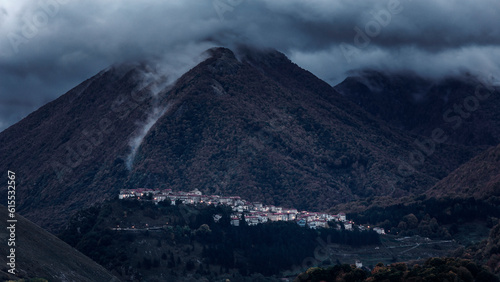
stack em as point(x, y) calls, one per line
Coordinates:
point(220, 52)
point(249, 122)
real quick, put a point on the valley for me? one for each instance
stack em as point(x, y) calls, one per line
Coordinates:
point(315, 171)
point(191, 244)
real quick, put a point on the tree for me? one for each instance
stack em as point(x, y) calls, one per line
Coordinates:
point(203, 230)
point(243, 222)
point(434, 225)
point(411, 220)
point(190, 265)
point(165, 203)
point(146, 263)
point(403, 225)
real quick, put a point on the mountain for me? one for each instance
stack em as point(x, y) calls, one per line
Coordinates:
point(465, 107)
point(252, 124)
point(63, 150)
point(478, 178)
point(40, 254)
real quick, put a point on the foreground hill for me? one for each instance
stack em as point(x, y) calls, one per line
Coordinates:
point(257, 126)
point(40, 254)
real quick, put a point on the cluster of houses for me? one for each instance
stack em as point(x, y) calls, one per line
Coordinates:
point(252, 213)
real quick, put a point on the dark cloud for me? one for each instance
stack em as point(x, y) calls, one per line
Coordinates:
point(50, 46)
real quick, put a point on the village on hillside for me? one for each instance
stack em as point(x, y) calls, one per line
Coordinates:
point(253, 213)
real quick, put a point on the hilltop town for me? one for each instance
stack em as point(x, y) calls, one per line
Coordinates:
point(252, 212)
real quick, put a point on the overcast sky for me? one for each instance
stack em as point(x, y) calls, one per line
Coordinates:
point(49, 46)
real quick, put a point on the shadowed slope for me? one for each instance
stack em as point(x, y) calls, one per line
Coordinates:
point(40, 254)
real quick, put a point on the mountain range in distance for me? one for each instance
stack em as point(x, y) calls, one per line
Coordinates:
point(464, 107)
point(255, 125)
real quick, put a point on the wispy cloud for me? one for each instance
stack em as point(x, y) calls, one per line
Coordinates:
point(79, 38)
point(136, 141)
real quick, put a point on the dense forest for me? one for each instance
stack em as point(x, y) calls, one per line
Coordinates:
point(433, 269)
point(138, 239)
point(427, 216)
point(486, 252)
point(186, 240)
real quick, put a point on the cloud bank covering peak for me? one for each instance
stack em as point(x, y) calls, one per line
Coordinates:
point(49, 46)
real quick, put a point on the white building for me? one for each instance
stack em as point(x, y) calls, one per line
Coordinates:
point(217, 217)
point(262, 218)
point(159, 198)
point(252, 220)
point(235, 220)
point(274, 217)
point(316, 223)
point(196, 192)
point(341, 216)
point(125, 193)
point(302, 223)
point(257, 206)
